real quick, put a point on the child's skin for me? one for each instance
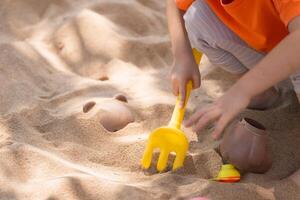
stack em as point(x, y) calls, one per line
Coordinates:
point(278, 65)
point(184, 67)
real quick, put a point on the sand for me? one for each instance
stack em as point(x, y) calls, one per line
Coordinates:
point(84, 82)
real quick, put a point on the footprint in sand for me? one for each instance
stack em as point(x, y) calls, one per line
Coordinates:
point(114, 115)
point(121, 97)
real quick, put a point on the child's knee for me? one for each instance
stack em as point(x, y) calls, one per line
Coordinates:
point(191, 16)
point(195, 20)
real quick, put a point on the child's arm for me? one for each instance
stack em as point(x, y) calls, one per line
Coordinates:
point(184, 67)
point(278, 65)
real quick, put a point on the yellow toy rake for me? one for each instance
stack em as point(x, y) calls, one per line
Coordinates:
point(170, 138)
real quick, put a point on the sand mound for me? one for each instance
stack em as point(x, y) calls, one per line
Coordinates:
point(82, 85)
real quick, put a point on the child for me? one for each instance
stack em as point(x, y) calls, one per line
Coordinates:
point(237, 35)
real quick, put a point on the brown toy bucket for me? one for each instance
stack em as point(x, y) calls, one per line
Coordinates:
point(246, 146)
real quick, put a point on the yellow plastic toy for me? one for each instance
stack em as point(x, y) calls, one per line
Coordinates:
point(228, 174)
point(169, 139)
point(197, 56)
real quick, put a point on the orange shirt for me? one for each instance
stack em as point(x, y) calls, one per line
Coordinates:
point(260, 23)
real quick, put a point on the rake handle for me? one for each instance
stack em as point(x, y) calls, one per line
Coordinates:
point(178, 113)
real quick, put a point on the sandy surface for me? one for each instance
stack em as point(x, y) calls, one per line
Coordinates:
point(83, 82)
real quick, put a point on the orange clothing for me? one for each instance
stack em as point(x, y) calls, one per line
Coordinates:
point(262, 24)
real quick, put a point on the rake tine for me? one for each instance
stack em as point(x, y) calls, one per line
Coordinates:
point(162, 160)
point(179, 159)
point(147, 157)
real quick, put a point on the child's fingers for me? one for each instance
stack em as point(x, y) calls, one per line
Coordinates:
point(221, 124)
point(196, 116)
point(182, 92)
point(175, 87)
point(196, 81)
point(208, 117)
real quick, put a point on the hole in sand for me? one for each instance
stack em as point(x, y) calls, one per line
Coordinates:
point(103, 78)
point(120, 97)
point(152, 169)
point(88, 106)
point(187, 169)
point(115, 116)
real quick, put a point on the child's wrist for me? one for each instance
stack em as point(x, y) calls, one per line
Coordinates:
point(185, 61)
point(242, 90)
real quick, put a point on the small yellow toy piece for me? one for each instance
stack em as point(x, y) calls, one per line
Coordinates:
point(197, 56)
point(169, 139)
point(228, 174)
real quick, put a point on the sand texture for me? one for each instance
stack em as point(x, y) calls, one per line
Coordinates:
point(83, 83)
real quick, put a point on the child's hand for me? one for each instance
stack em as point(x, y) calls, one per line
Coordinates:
point(185, 68)
point(181, 74)
point(222, 111)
